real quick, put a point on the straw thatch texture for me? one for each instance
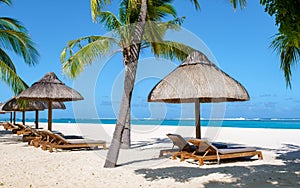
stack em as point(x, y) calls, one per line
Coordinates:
point(29, 105)
point(50, 88)
point(198, 78)
point(1, 106)
point(55, 105)
point(21, 105)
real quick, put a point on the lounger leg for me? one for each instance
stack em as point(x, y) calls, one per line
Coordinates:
point(174, 157)
point(35, 143)
point(161, 153)
point(182, 157)
point(201, 162)
point(44, 147)
point(260, 156)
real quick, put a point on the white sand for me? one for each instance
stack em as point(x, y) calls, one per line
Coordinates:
point(27, 166)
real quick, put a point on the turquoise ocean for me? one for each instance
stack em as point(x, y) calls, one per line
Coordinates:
point(241, 123)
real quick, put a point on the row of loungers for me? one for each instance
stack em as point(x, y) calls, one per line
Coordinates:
point(49, 140)
point(196, 149)
point(201, 150)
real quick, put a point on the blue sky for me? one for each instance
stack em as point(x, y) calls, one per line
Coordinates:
point(239, 42)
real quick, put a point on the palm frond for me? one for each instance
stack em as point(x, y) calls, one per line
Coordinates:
point(97, 6)
point(6, 59)
point(129, 11)
point(96, 47)
point(155, 31)
point(10, 77)
point(157, 10)
point(21, 44)
point(11, 24)
point(235, 3)
point(8, 2)
point(165, 10)
point(289, 54)
point(171, 50)
point(196, 3)
point(110, 21)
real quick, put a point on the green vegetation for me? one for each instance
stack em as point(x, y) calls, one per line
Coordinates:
point(14, 37)
point(287, 41)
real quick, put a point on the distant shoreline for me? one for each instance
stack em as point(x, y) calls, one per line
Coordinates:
point(285, 123)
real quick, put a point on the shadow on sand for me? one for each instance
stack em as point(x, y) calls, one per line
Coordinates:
point(266, 175)
point(7, 137)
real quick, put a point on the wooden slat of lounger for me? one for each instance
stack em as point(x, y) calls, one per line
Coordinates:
point(234, 155)
point(201, 159)
point(167, 151)
point(9, 126)
point(85, 140)
point(73, 146)
point(59, 142)
point(81, 145)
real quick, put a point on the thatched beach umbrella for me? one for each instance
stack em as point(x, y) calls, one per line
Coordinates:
point(29, 105)
point(21, 106)
point(197, 80)
point(50, 89)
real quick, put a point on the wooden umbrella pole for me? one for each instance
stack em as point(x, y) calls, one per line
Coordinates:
point(23, 117)
point(14, 117)
point(197, 118)
point(11, 118)
point(50, 115)
point(36, 119)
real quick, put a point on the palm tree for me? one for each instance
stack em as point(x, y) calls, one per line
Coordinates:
point(14, 37)
point(130, 44)
point(135, 13)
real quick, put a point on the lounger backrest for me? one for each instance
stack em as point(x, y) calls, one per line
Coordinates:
point(33, 131)
point(205, 146)
point(58, 139)
point(179, 141)
point(21, 126)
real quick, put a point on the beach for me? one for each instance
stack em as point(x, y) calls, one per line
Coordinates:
point(26, 166)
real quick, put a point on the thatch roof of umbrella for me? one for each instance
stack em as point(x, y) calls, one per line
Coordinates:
point(2, 111)
point(55, 105)
point(198, 80)
point(197, 77)
point(28, 105)
point(50, 89)
point(20, 105)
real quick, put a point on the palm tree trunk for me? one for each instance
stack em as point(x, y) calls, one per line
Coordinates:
point(126, 141)
point(131, 55)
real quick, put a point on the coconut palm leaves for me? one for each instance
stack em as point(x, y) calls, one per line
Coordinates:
point(287, 41)
point(89, 49)
point(82, 52)
point(289, 50)
point(14, 37)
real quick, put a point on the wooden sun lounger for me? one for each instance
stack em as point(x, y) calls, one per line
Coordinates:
point(51, 141)
point(9, 126)
point(207, 152)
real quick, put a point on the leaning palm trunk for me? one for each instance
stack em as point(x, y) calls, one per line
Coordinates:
point(131, 55)
point(125, 144)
